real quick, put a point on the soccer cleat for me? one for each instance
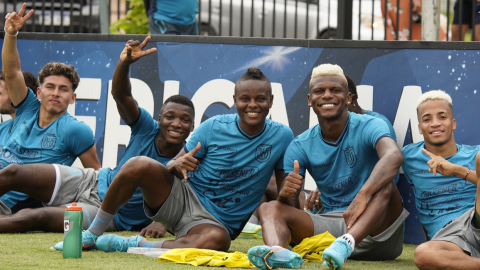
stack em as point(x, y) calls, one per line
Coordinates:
point(88, 241)
point(251, 231)
point(337, 253)
point(266, 257)
point(112, 243)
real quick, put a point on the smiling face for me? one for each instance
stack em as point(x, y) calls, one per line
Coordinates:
point(56, 93)
point(436, 123)
point(328, 97)
point(5, 103)
point(176, 122)
point(253, 100)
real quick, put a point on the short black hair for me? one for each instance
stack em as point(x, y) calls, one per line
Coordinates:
point(30, 80)
point(181, 99)
point(254, 73)
point(352, 87)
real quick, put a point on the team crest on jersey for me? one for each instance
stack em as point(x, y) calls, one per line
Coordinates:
point(49, 140)
point(263, 152)
point(350, 156)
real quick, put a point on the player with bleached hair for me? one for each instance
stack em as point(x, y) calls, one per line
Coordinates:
point(353, 160)
point(445, 185)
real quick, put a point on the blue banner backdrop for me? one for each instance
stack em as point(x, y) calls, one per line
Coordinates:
point(390, 81)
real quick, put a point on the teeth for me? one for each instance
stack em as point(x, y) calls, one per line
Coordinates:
point(252, 113)
point(174, 132)
point(328, 105)
point(436, 132)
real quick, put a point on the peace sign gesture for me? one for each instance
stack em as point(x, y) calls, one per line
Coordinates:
point(14, 21)
point(133, 51)
point(439, 164)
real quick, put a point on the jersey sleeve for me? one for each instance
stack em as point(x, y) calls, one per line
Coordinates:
point(29, 105)
point(374, 130)
point(286, 140)
point(200, 135)
point(144, 124)
point(295, 152)
point(78, 137)
point(404, 166)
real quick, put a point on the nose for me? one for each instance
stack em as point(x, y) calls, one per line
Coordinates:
point(327, 93)
point(56, 92)
point(176, 122)
point(252, 103)
point(435, 122)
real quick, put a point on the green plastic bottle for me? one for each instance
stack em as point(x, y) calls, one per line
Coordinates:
point(72, 236)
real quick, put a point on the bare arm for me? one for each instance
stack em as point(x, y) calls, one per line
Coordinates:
point(121, 88)
point(17, 90)
point(440, 165)
point(390, 159)
point(89, 158)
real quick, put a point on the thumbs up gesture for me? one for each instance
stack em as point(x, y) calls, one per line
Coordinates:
point(292, 183)
point(188, 163)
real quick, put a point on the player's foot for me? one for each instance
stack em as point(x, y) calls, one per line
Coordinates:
point(112, 243)
point(88, 241)
point(251, 231)
point(336, 254)
point(266, 257)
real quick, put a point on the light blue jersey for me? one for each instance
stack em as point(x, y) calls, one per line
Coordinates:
point(339, 168)
point(439, 199)
point(392, 132)
point(179, 12)
point(58, 143)
point(235, 168)
point(4, 134)
point(142, 143)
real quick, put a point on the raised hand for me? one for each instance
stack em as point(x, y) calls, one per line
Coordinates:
point(15, 22)
point(188, 162)
point(293, 182)
point(133, 51)
point(439, 164)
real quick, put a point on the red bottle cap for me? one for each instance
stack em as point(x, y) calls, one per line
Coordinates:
point(74, 207)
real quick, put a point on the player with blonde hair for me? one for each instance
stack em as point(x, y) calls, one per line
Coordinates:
point(353, 160)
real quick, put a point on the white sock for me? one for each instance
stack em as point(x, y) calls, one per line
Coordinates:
point(349, 238)
point(253, 219)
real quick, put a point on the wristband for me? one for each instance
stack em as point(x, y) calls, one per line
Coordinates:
point(465, 178)
point(16, 34)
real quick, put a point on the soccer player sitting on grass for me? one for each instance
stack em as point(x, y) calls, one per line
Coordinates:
point(43, 131)
point(353, 160)
point(57, 185)
point(206, 194)
point(445, 185)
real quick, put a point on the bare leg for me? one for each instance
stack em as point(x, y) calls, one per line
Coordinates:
point(282, 223)
point(153, 179)
point(48, 219)
point(206, 236)
point(456, 32)
point(384, 208)
point(35, 180)
point(443, 255)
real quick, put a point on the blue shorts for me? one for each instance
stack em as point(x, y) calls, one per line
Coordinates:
point(159, 27)
point(466, 16)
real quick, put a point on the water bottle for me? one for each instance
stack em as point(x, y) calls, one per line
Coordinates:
point(72, 236)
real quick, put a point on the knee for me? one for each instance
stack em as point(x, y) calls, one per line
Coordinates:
point(270, 208)
point(8, 174)
point(214, 240)
point(135, 167)
point(423, 256)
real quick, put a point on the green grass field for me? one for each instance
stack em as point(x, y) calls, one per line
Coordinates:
point(35, 251)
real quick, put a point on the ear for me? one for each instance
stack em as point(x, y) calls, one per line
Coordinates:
point(234, 101)
point(74, 97)
point(39, 93)
point(193, 126)
point(271, 101)
point(419, 129)
point(454, 124)
point(349, 97)
point(309, 101)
